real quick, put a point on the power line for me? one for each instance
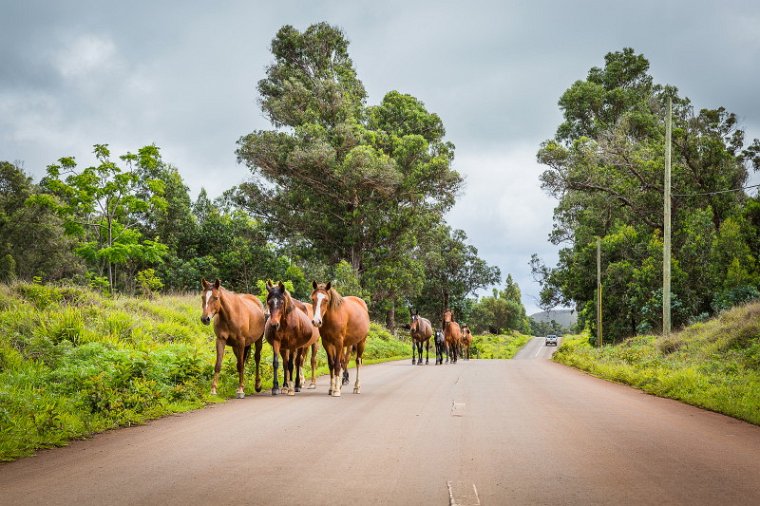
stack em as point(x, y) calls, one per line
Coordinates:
point(715, 192)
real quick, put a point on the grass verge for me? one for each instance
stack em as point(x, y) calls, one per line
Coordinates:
point(502, 346)
point(713, 365)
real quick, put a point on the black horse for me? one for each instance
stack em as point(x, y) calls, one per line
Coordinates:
point(440, 347)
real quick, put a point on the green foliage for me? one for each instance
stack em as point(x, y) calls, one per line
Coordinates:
point(502, 312)
point(501, 346)
point(605, 167)
point(713, 365)
point(148, 282)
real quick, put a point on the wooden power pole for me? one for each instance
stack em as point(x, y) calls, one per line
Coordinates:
point(666, 232)
point(599, 291)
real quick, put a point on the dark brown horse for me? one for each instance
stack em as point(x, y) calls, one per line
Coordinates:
point(452, 334)
point(290, 332)
point(343, 322)
point(238, 322)
point(420, 330)
point(466, 342)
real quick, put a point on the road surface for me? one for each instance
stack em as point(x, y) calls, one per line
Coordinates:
point(524, 431)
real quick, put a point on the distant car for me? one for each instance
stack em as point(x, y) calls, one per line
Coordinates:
point(551, 339)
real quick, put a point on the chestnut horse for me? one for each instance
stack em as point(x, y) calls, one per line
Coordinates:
point(452, 334)
point(343, 322)
point(291, 334)
point(420, 330)
point(466, 342)
point(238, 322)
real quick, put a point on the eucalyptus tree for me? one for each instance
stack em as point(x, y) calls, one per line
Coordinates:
point(338, 180)
point(605, 167)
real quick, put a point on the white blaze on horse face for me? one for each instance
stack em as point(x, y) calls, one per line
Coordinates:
point(318, 309)
point(206, 309)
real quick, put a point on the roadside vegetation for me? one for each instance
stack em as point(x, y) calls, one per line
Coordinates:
point(501, 346)
point(714, 365)
point(73, 363)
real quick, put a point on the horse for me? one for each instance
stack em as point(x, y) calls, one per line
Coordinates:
point(452, 334)
point(420, 330)
point(343, 322)
point(440, 347)
point(290, 333)
point(466, 342)
point(238, 323)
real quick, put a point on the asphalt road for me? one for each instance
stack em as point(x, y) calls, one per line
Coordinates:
point(524, 431)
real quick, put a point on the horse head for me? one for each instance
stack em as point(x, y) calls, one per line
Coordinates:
point(448, 316)
point(414, 326)
point(210, 303)
point(278, 302)
point(439, 336)
point(320, 299)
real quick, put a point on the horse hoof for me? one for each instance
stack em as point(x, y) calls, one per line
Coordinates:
point(336, 393)
point(357, 390)
point(291, 393)
point(413, 362)
point(258, 386)
point(298, 389)
point(275, 391)
point(312, 386)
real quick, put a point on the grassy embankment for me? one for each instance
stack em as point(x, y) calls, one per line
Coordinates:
point(713, 365)
point(73, 363)
point(502, 346)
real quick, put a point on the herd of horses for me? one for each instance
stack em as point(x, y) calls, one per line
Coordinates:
point(293, 328)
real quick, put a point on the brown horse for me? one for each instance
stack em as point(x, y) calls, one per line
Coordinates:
point(421, 330)
point(238, 322)
point(343, 322)
point(452, 334)
point(291, 334)
point(466, 342)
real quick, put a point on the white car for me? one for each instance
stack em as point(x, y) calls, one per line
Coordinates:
point(551, 339)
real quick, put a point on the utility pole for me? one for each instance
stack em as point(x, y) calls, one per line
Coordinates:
point(599, 292)
point(666, 232)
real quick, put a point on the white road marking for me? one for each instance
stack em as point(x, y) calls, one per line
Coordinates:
point(539, 349)
point(460, 494)
point(457, 408)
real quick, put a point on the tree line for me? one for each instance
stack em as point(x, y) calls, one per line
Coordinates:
point(339, 190)
point(605, 167)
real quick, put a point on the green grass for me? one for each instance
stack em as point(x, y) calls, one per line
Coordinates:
point(714, 365)
point(73, 363)
point(502, 346)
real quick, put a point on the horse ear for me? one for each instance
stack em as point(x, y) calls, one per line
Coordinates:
point(269, 284)
point(217, 283)
point(314, 284)
point(328, 285)
point(282, 286)
point(417, 312)
point(204, 284)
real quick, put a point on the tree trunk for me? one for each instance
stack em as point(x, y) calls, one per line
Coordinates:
point(390, 318)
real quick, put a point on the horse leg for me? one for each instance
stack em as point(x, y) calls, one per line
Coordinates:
point(314, 348)
point(345, 363)
point(291, 366)
point(240, 356)
point(359, 353)
point(339, 357)
point(427, 352)
point(331, 358)
point(414, 347)
point(419, 353)
point(257, 358)
point(275, 366)
point(218, 367)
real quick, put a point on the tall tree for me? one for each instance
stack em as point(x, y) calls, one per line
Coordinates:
point(606, 169)
point(341, 181)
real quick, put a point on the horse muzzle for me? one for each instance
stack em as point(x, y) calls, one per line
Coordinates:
point(206, 320)
point(317, 323)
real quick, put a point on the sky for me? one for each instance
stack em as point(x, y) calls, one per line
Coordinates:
point(183, 74)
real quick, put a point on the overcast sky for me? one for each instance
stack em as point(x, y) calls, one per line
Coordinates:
point(182, 75)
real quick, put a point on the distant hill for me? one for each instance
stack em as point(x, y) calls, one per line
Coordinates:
point(565, 317)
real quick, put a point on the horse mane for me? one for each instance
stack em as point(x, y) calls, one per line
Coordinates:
point(336, 299)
